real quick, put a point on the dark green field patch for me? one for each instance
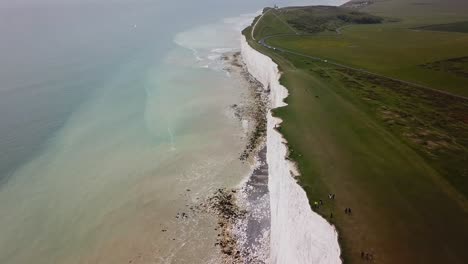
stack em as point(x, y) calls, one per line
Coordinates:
point(432, 123)
point(461, 27)
point(316, 19)
point(457, 66)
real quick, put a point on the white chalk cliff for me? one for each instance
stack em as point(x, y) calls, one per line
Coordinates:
point(298, 235)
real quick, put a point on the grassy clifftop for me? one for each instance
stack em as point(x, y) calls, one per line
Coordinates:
point(394, 152)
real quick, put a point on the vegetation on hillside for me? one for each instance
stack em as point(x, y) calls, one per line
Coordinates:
point(316, 19)
point(456, 66)
point(310, 20)
point(461, 27)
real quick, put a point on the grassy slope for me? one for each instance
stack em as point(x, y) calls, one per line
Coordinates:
point(401, 209)
point(460, 27)
point(392, 52)
point(404, 211)
point(395, 49)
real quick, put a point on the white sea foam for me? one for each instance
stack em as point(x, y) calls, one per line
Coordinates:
point(298, 235)
point(209, 42)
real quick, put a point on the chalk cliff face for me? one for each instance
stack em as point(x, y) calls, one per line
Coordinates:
point(298, 235)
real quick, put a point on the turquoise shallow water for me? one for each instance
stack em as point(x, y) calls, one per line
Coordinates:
point(107, 116)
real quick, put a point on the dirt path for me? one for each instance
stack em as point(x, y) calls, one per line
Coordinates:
point(255, 25)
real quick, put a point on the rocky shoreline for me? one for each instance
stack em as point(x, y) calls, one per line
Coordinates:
point(243, 213)
point(253, 109)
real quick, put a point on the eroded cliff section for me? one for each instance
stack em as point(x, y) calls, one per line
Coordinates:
point(298, 235)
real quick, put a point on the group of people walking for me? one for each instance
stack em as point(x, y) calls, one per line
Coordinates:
point(331, 196)
point(367, 256)
point(364, 255)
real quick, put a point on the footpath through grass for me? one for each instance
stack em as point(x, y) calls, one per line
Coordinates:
point(394, 153)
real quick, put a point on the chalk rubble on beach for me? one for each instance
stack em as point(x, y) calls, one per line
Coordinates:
point(298, 235)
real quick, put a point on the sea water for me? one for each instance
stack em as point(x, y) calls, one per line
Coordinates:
point(114, 116)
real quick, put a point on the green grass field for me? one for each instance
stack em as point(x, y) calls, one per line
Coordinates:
point(397, 53)
point(393, 49)
point(395, 153)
